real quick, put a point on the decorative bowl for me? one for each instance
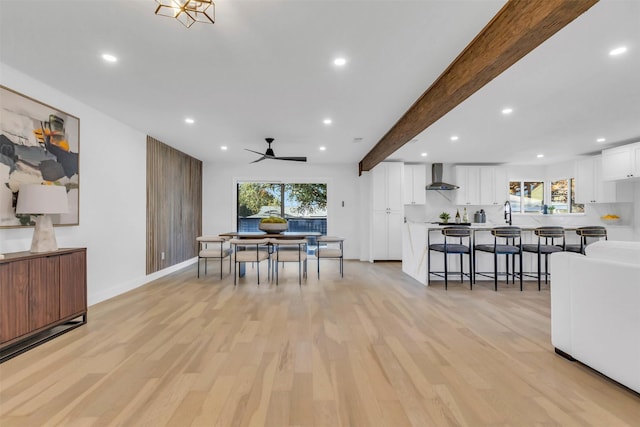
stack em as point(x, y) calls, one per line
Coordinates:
point(273, 227)
point(610, 218)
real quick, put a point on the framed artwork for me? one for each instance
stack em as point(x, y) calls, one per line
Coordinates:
point(39, 144)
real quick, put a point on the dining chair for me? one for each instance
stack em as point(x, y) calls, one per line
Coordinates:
point(330, 247)
point(213, 247)
point(506, 241)
point(249, 250)
point(587, 235)
point(457, 241)
point(290, 251)
point(548, 239)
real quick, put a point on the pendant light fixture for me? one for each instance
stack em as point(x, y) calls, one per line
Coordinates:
point(188, 12)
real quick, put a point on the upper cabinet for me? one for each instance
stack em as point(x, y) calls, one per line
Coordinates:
point(481, 185)
point(621, 162)
point(415, 181)
point(468, 179)
point(590, 187)
point(493, 185)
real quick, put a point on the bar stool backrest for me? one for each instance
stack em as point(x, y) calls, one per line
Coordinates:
point(551, 232)
point(592, 231)
point(507, 232)
point(460, 231)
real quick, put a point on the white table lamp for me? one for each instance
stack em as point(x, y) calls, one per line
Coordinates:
point(42, 200)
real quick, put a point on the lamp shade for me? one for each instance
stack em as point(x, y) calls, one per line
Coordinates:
point(42, 199)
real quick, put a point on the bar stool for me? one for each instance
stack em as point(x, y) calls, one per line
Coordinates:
point(453, 244)
point(586, 233)
point(550, 236)
point(506, 241)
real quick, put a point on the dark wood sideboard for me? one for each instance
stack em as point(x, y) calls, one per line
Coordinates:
point(41, 296)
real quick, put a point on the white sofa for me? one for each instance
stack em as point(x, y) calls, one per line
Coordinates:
point(595, 309)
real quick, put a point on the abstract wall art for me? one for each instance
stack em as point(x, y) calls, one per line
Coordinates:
point(39, 144)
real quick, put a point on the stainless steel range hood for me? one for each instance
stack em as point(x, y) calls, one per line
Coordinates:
point(436, 179)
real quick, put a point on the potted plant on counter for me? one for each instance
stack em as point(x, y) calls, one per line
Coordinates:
point(273, 224)
point(444, 217)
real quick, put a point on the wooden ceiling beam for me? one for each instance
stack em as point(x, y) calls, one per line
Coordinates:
point(518, 28)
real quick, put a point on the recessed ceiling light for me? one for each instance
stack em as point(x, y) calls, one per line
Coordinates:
point(600, 140)
point(454, 138)
point(323, 148)
point(618, 51)
point(423, 154)
point(339, 62)
point(506, 111)
point(540, 156)
point(109, 58)
point(189, 120)
point(327, 121)
point(224, 148)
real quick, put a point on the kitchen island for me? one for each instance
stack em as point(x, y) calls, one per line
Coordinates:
point(415, 252)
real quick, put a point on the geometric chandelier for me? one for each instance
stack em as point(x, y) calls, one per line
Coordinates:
point(188, 11)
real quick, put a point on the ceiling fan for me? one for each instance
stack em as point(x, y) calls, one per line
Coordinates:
point(270, 155)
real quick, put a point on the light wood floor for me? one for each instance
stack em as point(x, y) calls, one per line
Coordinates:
point(372, 349)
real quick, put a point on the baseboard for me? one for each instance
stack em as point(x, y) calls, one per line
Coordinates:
point(121, 288)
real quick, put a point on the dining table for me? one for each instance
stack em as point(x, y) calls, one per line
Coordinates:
point(263, 235)
point(285, 235)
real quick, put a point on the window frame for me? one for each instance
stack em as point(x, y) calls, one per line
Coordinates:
point(236, 188)
point(570, 195)
point(546, 194)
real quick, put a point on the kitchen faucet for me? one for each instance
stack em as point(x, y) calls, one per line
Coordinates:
point(507, 212)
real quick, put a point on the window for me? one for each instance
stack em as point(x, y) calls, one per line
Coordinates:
point(529, 196)
point(563, 197)
point(303, 205)
point(526, 196)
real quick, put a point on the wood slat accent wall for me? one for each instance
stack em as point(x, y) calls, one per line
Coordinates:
point(174, 205)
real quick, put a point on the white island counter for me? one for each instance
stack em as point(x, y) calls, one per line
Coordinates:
point(414, 248)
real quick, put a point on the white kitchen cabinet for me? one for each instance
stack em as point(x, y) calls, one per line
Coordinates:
point(621, 163)
point(387, 236)
point(387, 215)
point(493, 185)
point(590, 187)
point(468, 179)
point(415, 181)
point(387, 186)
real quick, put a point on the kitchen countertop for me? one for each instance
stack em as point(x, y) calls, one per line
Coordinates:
point(487, 226)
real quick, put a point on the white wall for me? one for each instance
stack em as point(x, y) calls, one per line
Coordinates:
point(112, 195)
point(343, 185)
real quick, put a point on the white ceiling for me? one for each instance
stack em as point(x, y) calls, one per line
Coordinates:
point(264, 69)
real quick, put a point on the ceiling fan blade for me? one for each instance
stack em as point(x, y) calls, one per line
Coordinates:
point(293, 159)
point(270, 155)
